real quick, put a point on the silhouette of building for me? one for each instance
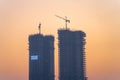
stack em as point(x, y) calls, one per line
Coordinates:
point(71, 55)
point(41, 57)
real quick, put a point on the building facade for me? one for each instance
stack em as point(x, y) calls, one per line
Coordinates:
point(41, 57)
point(71, 55)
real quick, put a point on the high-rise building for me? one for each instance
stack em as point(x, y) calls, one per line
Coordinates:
point(41, 57)
point(71, 55)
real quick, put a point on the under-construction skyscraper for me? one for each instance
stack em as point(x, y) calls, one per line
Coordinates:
point(41, 57)
point(71, 55)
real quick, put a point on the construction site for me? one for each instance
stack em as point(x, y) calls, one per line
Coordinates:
point(71, 53)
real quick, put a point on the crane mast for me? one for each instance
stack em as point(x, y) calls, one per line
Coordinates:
point(66, 20)
point(39, 28)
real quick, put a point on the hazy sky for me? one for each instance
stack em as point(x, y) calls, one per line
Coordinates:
point(100, 19)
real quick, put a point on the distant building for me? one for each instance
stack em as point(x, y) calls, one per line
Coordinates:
point(71, 55)
point(41, 57)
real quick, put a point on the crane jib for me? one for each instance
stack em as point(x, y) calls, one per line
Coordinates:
point(66, 20)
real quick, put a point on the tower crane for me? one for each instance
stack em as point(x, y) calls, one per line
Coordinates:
point(66, 20)
point(39, 28)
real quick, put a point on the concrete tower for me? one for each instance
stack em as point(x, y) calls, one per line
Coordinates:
point(41, 57)
point(71, 55)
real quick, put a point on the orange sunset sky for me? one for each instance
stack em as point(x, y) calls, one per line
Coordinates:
point(99, 19)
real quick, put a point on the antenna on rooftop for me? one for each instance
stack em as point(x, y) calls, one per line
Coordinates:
point(39, 28)
point(66, 20)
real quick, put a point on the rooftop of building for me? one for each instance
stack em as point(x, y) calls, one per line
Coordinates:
point(36, 35)
point(72, 31)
